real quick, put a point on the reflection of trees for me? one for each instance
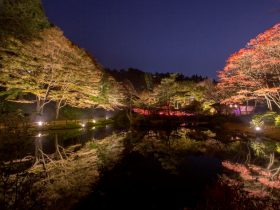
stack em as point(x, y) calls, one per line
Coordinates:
point(49, 160)
point(71, 172)
point(258, 172)
point(15, 183)
point(266, 150)
point(15, 140)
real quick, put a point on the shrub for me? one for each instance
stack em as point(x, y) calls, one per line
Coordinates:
point(277, 121)
point(265, 118)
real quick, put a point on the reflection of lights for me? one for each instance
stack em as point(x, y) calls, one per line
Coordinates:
point(212, 111)
point(230, 106)
point(258, 128)
point(83, 125)
point(39, 135)
point(93, 128)
point(94, 121)
point(235, 106)
point(107, 117)
point(40, 123)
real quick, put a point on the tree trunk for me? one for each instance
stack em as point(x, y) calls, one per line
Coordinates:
point(57, 109)
point(58, 154)
point(269, 105)
point(38, 105)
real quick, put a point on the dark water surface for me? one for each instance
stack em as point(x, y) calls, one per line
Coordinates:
point(157, 170)
point(141, 183)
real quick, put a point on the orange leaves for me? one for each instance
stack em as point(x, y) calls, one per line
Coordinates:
point(266, 37)
point(253, 68)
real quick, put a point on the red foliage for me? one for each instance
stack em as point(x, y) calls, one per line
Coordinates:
point(261, 175)
point(162, 112)
point(254, 69)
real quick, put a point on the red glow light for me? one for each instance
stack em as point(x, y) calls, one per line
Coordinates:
point(162, 112)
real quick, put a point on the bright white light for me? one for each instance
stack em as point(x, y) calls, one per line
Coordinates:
point(258, 128)
point(83, 125)
point(39, 135)
point(93, 128)
point(235, 106)
point(40, 123)
point(107, 117)
point(94, 121)
point(230, 105)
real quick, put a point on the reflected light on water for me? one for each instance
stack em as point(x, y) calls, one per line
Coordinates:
point(258, 128)
point(40, 123)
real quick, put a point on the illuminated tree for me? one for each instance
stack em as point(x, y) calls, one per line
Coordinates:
point(51, 68)
point(253, 72)
point(36, 58)
point(235, 84)
point(111, 94)
point(164, 92)
point(174, 94)
point(21, 19)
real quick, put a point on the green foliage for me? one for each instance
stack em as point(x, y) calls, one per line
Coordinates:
point(206, 106)
point(21, 18)
point(265, 118)
point(277, 121)
point(277, 148)
point(258, 148)
point(11, 94)
point(72, 113)
point(257, 122)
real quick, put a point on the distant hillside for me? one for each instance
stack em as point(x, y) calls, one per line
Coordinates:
point(144, 80)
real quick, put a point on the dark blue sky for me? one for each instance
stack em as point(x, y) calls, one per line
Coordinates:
point(187, 36)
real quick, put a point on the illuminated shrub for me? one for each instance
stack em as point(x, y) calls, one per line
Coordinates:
point(277, 121)
point(265, 118)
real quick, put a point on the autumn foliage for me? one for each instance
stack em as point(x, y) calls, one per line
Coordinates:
point(253, 72)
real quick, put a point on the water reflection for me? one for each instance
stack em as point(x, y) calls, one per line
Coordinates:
point(171, 168)
point(11, 144)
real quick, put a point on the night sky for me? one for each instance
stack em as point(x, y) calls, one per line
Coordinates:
point(186, 36)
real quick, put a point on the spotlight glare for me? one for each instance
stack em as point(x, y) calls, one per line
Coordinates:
point(40, 123)
point(257, 128)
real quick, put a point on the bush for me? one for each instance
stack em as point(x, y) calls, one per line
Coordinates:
point(277, 121)
point(265, 118)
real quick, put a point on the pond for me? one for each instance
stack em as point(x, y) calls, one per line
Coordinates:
point(20, 144)
point(108, 168)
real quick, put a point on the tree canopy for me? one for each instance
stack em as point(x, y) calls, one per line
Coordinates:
point(37, 59)
point(253, 72)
